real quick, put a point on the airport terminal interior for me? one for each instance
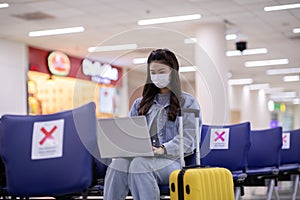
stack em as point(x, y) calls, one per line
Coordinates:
point(238, 58)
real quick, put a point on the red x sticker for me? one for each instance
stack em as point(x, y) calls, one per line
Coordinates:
point(219, 136)
point(284, 137)
point(48, 135)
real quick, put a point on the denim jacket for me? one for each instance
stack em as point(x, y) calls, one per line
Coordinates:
point(168, 131)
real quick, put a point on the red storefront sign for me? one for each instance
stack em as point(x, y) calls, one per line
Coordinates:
point(38, 61)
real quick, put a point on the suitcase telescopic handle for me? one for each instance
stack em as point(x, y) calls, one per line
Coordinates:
point(181, 147)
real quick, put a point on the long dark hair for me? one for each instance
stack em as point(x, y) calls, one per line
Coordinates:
point(166, 57)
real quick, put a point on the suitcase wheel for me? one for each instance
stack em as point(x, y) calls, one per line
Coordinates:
point(187, 189)
point(172, 187)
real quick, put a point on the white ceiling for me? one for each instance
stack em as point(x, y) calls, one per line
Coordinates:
point(110, 22)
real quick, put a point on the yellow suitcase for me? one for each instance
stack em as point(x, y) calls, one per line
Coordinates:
point(201, 184)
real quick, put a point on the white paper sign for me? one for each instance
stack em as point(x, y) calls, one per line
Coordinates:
point(219, 138)
point(106, 100)
point(285, 140)
point(47, 139)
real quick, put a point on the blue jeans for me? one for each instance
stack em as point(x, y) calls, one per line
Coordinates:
point(141, 175)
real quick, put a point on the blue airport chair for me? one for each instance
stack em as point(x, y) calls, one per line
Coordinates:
point(2, 177)
point(290, 159)
point(46, 155)
point(3, 191)
point(264, 159)
point(227, 146)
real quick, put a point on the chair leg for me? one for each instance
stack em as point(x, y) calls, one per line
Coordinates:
point(85, 195)
point(237, 193)
point(276, 193)
point(270, 189)
point(296, 183)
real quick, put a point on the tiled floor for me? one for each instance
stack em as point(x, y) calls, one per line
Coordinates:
point(259, 193)
point(251, 193)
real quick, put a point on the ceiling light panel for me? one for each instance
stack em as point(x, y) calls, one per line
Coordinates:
point(244, 81)
point(283, 95)
point(194, 40)
point(169, 19)
point(261, 63)
point(137, 61)
point(296, 101)
point(187, 69)
point(291, 78)
point(56, 31)
point(283, 71)
point(190, 41)
point(247, 52)
point(282, 7)
point(120, 47)
point(4, 5)
point(296, 30)
point(259, 86)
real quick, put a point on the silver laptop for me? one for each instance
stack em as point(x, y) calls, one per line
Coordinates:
point(124, 137)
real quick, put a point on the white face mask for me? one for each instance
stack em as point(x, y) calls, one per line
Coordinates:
point(160, 80)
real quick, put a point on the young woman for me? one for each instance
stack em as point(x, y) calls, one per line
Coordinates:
point(161, 99)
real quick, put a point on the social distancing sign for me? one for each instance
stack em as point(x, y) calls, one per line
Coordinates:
point(47, 139)
point(285, 140)
point(219, 138)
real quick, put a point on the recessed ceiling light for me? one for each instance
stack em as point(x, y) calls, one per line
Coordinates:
point(243, 81)
point(283, 71)
point(260, 63)
point(4, 5)
point(247, 52)
point(56, 31)
point(112, 48)
point(231, 36)
point(169, 19)
point(282, 7)
point(291, 78)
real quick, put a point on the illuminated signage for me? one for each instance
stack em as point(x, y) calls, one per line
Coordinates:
point(101, 73)
point(59, 63)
